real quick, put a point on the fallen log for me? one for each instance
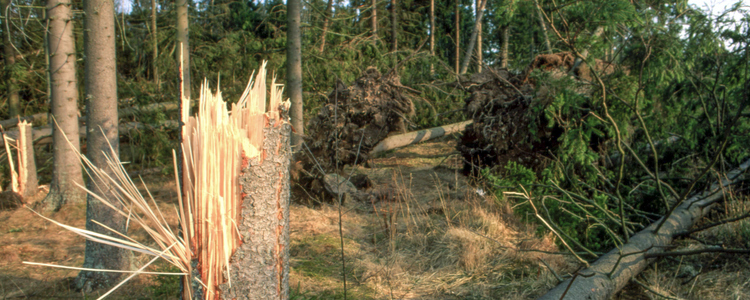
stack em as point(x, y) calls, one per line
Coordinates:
point(410, 138)
point(125, 112)
point(611, 272)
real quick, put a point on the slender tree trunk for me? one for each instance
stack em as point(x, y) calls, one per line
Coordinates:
point(432, 34)
point(184, 41)
point(294, 71)
point(394, 25)
point(473, 39)
point(14, 105)
point(155, 51)
point(102, 140)
point(66, 172)
point(329, 12)
point(374, 21)
point(479, 39)
point(504, 47)
point(543, 25)
point(457, 27)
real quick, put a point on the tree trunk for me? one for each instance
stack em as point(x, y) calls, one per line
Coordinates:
point(28, 183)
point(457, 27)
point(375, 21)
point(183, 41)
point(394, 26)
point(504, 47)
point(14, 105)
point(473, 39)
point(543, 25)
point(64, 106)
point(595, 282)
point(414, 137)
point(329, 12)
point(294, 71)
point(479, 38)
point(102, 139)
point(260, 267)
point(155, 40)
point(432, 35)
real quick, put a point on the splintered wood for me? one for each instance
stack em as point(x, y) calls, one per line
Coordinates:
point(215, 143)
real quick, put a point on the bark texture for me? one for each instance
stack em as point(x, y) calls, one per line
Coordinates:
point(259, 268)
point(14, 104)
point(543, 25)
point(64, 106)
point(26, 166)
point(374, 21)
point(102, 140)
point(596, 281)
point(155, 51)
point(479, 38)
point(504, 47)
point(184, 40)
point(294, 70)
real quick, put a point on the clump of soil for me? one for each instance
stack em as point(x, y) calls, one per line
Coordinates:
point(358, 117)
point(500, 106)
point(355, 119)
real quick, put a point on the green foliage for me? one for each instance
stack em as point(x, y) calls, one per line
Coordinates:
point(166, 286)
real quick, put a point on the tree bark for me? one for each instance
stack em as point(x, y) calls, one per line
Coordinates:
point(479, 38)
point(432, 35)
point(102, 140)
point(473, 39)
point(394, 26)
point(64, 106)
point(327, 17)
point(183, 41)
point(374, 22)
point(155, 51)
point(504, 47)
point(457, 26)
point(260, 267)
point(595, 282)
point(543, 25)
point(28, 183)
point(294, 71)
point(14, 104)
point(414, 137)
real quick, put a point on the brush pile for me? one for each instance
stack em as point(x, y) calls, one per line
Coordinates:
point(356, 118)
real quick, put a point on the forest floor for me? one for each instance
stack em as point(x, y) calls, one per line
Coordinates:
point(429, 235)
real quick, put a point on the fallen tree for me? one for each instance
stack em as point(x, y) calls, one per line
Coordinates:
point(611, 272)
point(414, 137)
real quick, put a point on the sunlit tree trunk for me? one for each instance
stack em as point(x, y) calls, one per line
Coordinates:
point(327, 17)
point(64, 106)
point(294, 70)
point(102, 140)
point(504, 47)
point(14, 104)
point(479, 38)
point(183, 39)
point(432, 34)
point(457, 27)
point(473, 39)
point(155, 51)
point(394, 25)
